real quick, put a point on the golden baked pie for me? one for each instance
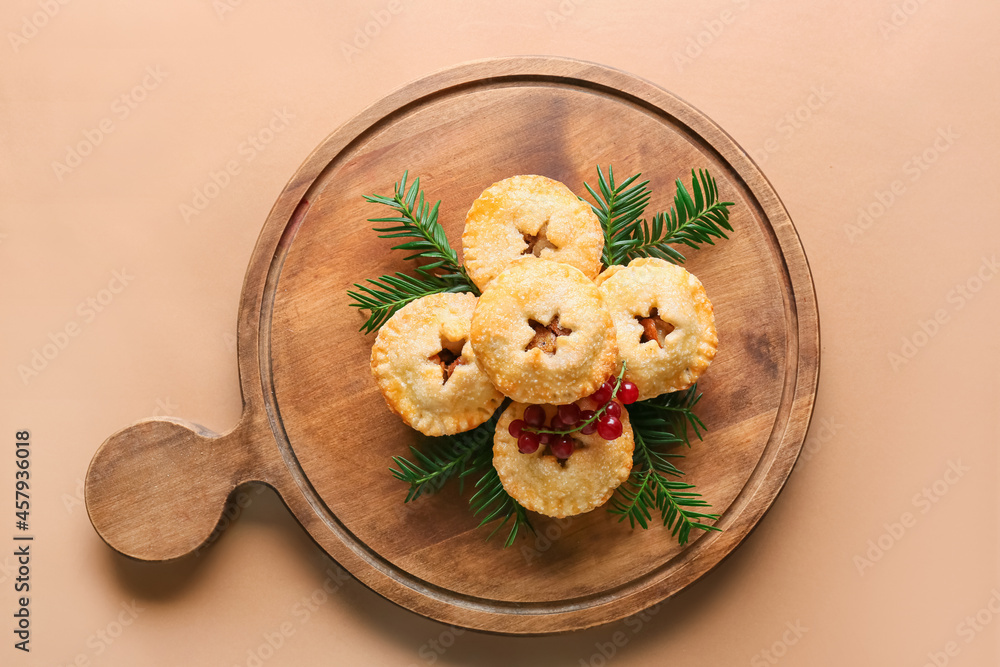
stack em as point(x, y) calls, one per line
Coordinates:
point(530, 215)
point(559, 488)
point(426, 367)
point(664, 322)
point(541, 333)
point(607, 273)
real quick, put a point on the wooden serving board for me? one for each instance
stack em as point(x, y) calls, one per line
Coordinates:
point(315, 428)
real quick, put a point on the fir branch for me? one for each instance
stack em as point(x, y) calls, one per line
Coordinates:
point(656, 424)
point(440, 271)
point(416, 219)
point(649, 485)
point(444, 458)
point(385, 295)
point(669, 418)
point(618, 207)
point(493, 500)
point(459, 456)
point(690, 222)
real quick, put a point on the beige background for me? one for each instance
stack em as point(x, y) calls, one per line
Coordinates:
point(840, 103)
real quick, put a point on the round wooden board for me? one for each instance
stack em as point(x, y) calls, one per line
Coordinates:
point(307, 384)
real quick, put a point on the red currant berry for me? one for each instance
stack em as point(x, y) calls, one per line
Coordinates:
point(534, 415)
point(592, 426)
point(528, 442)
point(628, 393)
point(515, 428)
point(602, 395)
point(614, 409)
point(569, 414)
point(563, 447)
point(546, 438)
point(609, 428)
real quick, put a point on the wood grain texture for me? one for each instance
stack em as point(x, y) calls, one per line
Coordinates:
point(316, 429)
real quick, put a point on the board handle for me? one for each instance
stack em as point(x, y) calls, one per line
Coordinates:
point(156, 489)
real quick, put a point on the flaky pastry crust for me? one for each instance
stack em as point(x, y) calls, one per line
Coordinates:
point(542, 484)
point(530, 215)
point(426, 368)
point(645, 300)
point(518, 333)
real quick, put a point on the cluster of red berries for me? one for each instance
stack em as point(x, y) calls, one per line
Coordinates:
point(571, 418)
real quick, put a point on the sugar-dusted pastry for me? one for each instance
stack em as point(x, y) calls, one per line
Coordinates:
point(664, 322)
point(607, 273)
point(561, 487)
point(530, 215)
point(426, 368)
point(541, 333)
